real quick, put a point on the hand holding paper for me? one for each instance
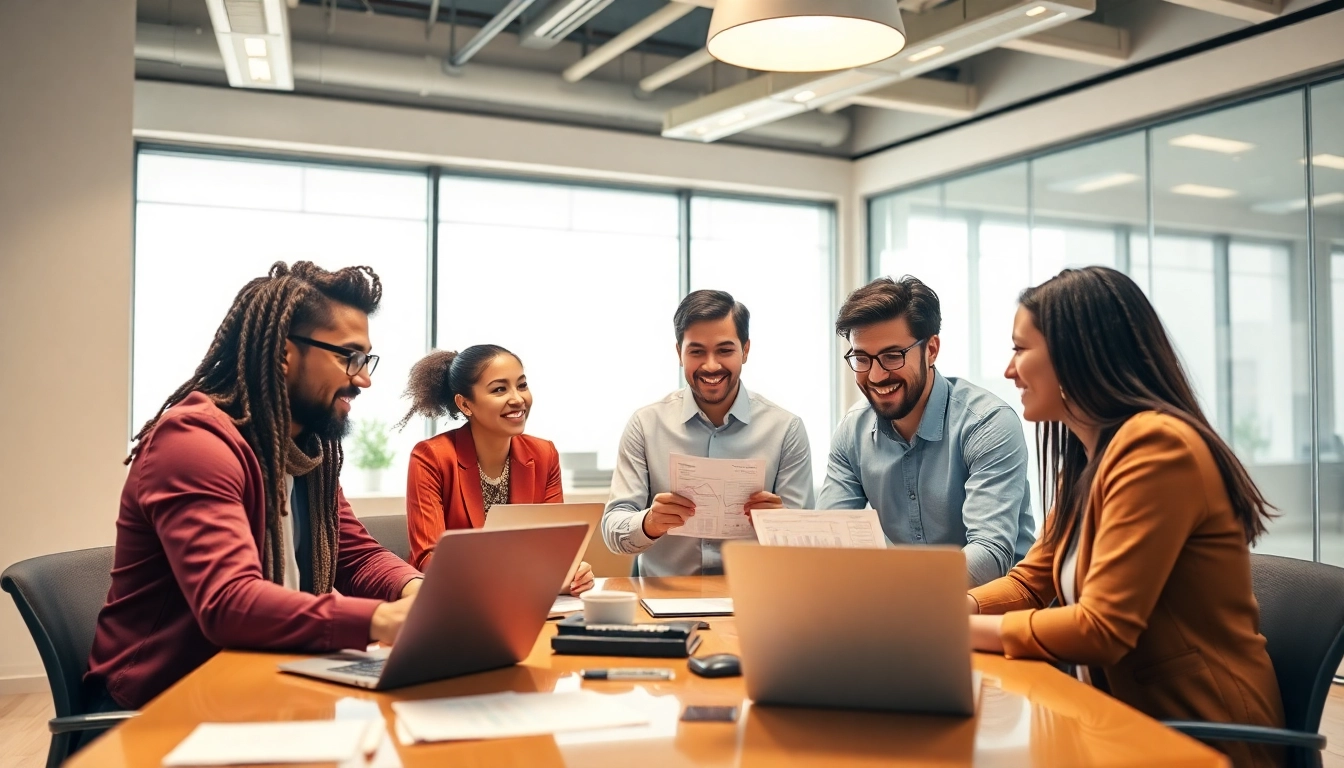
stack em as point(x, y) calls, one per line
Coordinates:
point(719, 489)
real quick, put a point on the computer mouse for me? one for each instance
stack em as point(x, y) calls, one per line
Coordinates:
point(715, 665)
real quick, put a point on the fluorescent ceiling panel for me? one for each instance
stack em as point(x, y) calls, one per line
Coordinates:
point(1095, 183)
point(1328, 161)
point(1200, 190)
point(1211, 144)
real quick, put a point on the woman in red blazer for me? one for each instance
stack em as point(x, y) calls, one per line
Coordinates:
point(457, 476)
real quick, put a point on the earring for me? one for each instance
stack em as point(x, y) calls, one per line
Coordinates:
point(1063, 396)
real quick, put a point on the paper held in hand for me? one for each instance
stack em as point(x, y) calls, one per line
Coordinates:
point(719, 488)
point(841, 528)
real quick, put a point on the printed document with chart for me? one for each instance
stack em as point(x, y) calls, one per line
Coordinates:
point(719, 488)
point(842, 528)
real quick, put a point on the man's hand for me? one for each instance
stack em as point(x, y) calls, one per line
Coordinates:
point(583, 580)
point(668, 511)
point(762, 500)
point(388, 619)
point(412, 588)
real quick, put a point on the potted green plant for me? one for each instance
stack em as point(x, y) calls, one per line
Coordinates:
point(371, 452)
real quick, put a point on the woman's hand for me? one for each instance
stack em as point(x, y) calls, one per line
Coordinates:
point(986, 633)
point(583, 580)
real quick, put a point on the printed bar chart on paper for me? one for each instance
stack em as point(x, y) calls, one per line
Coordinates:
point(846, 529)
point(719, 488)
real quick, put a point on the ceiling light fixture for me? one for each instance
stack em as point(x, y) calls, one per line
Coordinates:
point(1199, 190)
point(1037, 11)
point(1211, 143)
point(1300, 204)
point(805, 35)
point(1328, 161)
point(556, 21)
point(926, 53)
point(804, 96)
point(259, 69)
point(255, 46)
point(1095, 183)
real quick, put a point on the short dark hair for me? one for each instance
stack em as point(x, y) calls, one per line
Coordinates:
point(699, 306)
point(886, 299)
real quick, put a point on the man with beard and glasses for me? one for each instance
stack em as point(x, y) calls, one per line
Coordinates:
point(233, 530)
point(940, 459)
point(713, 417)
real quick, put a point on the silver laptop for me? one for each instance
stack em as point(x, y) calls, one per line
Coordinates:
point(882, 629)
point(529, 515)
point(484, 601)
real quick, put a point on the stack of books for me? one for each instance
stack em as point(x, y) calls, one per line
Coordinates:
point(669, 639)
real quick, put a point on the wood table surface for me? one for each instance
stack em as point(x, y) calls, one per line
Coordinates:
point(1029, 714)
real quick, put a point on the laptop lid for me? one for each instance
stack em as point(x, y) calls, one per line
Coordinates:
point(529, 515)
point(879, 629)
point(484, 601)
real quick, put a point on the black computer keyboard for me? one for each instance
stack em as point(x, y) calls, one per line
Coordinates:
point(370, 668)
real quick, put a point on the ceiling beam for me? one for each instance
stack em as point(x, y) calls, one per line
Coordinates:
point(1254, 11)
point(676, 70)
point(488, 32)
point(923, 95)
point(637, 33)
point(1084, 41)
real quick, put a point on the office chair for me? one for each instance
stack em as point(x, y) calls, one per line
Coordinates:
point(390, 531)
point(1302, 619)
point(59, 597)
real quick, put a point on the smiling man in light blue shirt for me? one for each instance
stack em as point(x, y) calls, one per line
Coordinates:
point(714, 416)
point(941, 460)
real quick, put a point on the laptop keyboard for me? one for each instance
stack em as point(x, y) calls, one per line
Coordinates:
point(371, 668)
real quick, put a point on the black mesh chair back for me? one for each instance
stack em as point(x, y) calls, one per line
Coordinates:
point(59, 597)
point(1302, 618)
point(390, 531)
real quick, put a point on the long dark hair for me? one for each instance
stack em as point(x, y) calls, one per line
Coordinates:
point(441, 375)
point(1113, 360)
point(242, 372)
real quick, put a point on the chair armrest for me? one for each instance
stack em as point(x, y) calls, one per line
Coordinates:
point(1256, 734)
point(76, 723)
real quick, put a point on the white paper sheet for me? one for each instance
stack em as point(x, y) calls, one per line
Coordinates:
point(566, 604)
point(847, 528)
point(719, 488)
point(299, 741)
point(662, 607)
point(510, 714)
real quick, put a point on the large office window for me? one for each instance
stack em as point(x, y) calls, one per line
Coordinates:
point(207, 225)
point(580, 283)
point(1210, 216)
point(775, 259)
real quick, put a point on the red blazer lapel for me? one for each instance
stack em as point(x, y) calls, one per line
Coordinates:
point(469, 476)
point(522, 472)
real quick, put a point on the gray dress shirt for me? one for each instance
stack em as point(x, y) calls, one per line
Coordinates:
point(755, 428)
point(962, 480)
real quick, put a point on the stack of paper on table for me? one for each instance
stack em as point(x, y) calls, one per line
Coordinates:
point(665, 607)
point(565, 604)
point(509, 715)
point(299, 741)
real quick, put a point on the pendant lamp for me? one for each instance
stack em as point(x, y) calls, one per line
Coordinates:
point(805, 35)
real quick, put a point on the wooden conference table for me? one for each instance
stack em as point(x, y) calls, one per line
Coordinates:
point(1029, 714)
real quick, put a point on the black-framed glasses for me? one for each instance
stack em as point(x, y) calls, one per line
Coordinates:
point(355, 360)
point(890, 360)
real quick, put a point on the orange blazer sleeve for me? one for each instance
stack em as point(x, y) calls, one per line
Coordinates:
point(425, 516)
point(1030, 584)
point(1148, 484)
point(555, 494)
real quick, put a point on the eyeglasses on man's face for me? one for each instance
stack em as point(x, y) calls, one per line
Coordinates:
point(890, 360)
point(355, 360)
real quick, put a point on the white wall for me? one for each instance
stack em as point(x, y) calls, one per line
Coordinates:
point(65, 281)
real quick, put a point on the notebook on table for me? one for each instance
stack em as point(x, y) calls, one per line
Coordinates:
point(673, 607)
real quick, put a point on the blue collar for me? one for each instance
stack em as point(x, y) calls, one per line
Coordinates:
point(741, 409)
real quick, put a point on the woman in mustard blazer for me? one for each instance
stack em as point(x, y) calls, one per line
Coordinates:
point(457, 476)
point(1147, 546)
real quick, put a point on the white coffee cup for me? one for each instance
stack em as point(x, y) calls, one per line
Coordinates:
point(609, 607)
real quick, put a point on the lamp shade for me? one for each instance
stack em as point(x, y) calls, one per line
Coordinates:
point(805, 35)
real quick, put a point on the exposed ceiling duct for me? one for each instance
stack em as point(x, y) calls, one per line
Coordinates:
point(253, 38)
point(945, 34)
point(480, 83)
point(1084, 41)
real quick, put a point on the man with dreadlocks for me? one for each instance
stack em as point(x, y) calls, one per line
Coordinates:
point(233, 531)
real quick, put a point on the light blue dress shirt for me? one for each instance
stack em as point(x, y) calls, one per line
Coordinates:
point(962, 480)
point(755, 428)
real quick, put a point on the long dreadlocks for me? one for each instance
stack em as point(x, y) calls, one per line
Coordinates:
point(242, 373)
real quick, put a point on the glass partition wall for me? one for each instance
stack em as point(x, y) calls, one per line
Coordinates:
point(1231, 220)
